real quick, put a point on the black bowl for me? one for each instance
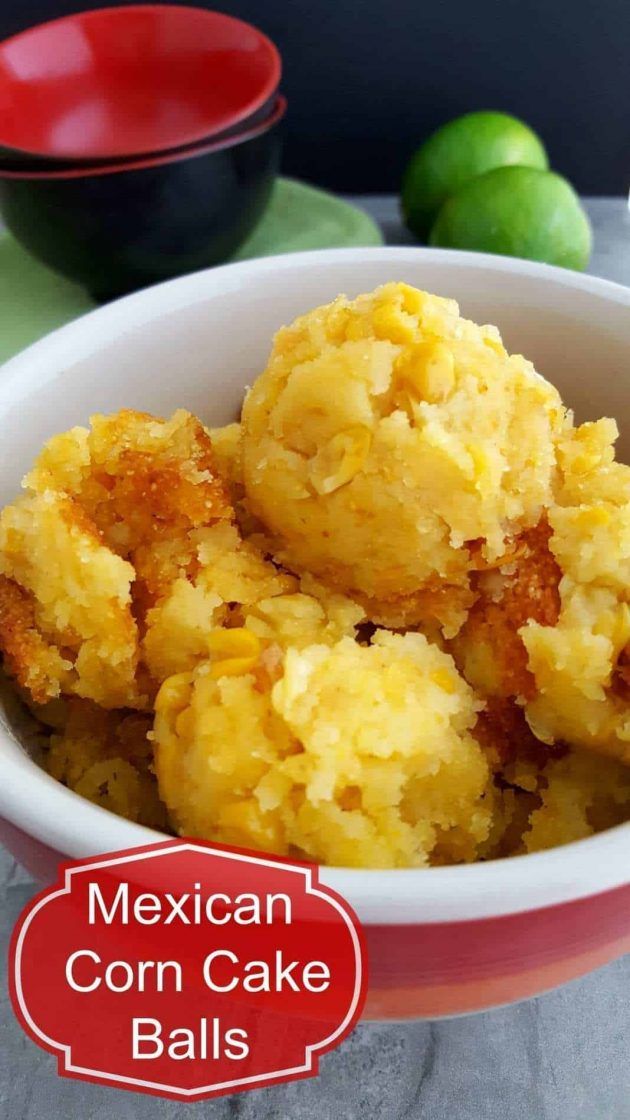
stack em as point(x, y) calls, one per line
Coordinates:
point(124, 226)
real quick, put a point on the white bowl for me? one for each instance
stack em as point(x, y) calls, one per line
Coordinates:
point(195, 343)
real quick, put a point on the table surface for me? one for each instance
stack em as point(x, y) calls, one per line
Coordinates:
point(561, 1057)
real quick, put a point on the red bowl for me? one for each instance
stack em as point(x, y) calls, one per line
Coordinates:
point(119, 82)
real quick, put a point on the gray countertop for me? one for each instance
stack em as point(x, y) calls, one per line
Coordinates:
point(611, 227)
point(561, 1057)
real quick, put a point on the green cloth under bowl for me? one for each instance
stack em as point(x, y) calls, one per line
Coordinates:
point(34, 300)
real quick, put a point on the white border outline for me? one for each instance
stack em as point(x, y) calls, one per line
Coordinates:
point(305, 872)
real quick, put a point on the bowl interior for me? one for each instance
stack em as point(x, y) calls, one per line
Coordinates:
point(131, 80)
point(196, 343)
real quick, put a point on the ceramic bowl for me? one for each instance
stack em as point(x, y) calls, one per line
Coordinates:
point(128, 81)
point(124, 226)
point(441, 941)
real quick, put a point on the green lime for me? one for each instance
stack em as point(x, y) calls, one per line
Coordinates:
point(518, 212)
point(458, 152)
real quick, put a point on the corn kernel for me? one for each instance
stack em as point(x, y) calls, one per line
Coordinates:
point(175, 693)
point(430, 374)
point(340, 459)
point(233, 652)
point(481, 461)
point(617, 629)
point(495, 344)
point(391, 323)
point(593, 517)
point(237, 642)
point(232, 667)
point(413, 300)
point(444, 680)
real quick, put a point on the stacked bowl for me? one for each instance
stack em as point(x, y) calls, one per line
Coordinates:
point(137, 143)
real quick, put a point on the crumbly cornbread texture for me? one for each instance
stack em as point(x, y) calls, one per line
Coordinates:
point(65, 604)
point(105, 756)
point(579, 666)
point(579, 794)
point(147, 484)
point(206, 604)
point(119, 560)
point(550, 627)
point(356, 755)
point(391, 447)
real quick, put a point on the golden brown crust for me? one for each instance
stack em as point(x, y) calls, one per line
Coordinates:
point(155, 491)
point(142, 498)
point(529, 592)
point(76, 517)
point(505, 735)
point(34, 663)
point(434, 607)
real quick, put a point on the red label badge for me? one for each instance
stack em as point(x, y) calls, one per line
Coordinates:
point(188, 970)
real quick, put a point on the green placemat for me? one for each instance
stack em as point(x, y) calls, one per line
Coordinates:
point(34, 300)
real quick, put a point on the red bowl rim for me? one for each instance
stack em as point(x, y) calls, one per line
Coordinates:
point(202, 148)
point(266, 91)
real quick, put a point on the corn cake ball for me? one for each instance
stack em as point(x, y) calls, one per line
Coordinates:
point(356, 755)
point(390, 447)
point(105, 757)
point(581, 693)
point(66, 623)
point(104, 529)
point(139, 477)
point(146, 483)
point(120, 559)
point(551, 627)
point(135, 512)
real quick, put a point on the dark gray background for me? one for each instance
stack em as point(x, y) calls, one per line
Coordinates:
point(368, 79)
